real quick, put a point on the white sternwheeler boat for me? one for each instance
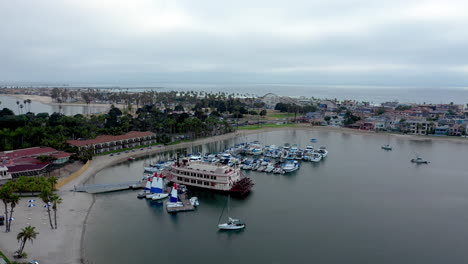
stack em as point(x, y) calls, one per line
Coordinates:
point(232, 224)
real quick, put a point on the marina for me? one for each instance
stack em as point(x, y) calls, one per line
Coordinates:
point(346, 209)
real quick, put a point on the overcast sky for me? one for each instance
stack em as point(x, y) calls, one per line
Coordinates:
point(347, 42)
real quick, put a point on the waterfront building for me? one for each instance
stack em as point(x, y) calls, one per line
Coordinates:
point(421, 127)
point(441, 130)
point(208, 176)
point(25, 162)
point(107, 143)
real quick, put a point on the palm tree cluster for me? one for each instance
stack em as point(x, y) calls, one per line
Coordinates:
point(45, 186)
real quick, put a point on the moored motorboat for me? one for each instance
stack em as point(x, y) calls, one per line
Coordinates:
point(315, 157)
point(323, 151)
point(291, 166)
point(419, 160)
point(387, 147)
point(194, 201)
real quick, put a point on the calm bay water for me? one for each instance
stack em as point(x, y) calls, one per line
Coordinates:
point(38, 107)
point(360, 205)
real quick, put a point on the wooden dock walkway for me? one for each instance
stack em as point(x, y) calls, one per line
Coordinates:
point(185, 201)
point(102, 188)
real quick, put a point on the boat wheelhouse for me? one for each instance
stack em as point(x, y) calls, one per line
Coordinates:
point(210, 176)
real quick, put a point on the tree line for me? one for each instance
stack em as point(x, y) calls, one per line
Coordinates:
point(42, 129)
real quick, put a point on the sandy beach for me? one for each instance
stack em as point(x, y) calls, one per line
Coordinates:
point(64, 245)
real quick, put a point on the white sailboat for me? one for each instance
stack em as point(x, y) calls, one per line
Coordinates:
point(159, 191)
point(147, 189)
point(174, 200)
point(232, 224)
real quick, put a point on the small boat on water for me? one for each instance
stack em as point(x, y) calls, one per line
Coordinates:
point(269, 168)
point(323, 151)
point(387, 147)
point(313, 140)
point(291, 166)
point(131, 158)
point(419, 160)
point(194, 201)
point(315, 157)
point(278, 170)
point(232, 224)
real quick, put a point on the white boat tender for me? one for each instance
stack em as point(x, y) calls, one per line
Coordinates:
point(194, 201)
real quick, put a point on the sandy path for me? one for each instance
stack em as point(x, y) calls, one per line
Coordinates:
point(64, 245)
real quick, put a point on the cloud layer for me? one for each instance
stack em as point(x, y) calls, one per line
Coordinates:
point(356, 42)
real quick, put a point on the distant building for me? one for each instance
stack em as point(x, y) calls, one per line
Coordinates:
point(5, 175)
point(107, 143)
point(271, 99)
point(24, 162)
point(421, 127)
point(441, 130)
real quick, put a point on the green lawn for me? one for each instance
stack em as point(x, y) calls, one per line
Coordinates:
point(253, 127)
point(279, 115)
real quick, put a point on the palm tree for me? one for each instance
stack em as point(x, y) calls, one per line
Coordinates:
point(27, 233)
point(14, 200)
point(55, 199)
point(17, 104)
point(29, 104)
point(5, 195)
point(45, 195)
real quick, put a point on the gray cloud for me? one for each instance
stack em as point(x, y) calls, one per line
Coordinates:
point(407, 43)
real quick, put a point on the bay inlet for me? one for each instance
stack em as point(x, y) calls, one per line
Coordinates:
point(360, 205)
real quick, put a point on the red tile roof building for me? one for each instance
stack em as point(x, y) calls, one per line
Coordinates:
point(24, 161)
point(107, 143)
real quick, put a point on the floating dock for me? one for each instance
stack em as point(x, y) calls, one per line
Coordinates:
point(187, 206)
point(102, 188)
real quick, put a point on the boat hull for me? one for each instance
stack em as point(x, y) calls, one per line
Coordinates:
point(159, 196)
point(231, 227)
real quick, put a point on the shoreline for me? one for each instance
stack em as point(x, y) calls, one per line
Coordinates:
point(48, 100)
point(66, 244)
